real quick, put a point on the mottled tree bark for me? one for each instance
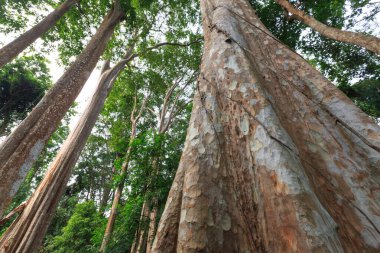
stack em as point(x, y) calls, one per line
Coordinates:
point(28, 231)
point(277, 159)
point(369, 42)
point(20, 150)
point(14, 48)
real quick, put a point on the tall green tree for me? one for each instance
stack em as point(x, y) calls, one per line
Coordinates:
point(22, 84)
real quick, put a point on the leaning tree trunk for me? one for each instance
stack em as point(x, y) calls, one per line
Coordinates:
point(28, 231)
point(277, 159)
point(14, 48)
point(369, 42)
point(20, 150)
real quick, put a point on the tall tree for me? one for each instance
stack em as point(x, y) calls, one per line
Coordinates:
point(277, 159)
point(14, 48)
point(168, 111)
point(27, 233)
point(369, 42)
point(20, 150)
point(135, 117)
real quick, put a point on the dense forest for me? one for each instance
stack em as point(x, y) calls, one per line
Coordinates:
point(214, 126)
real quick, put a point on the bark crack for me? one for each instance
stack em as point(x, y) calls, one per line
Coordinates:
point(319, 103)
point(301, 159)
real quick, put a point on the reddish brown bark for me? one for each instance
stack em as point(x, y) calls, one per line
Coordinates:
point(20, 150)
point(369, 42)
point(14, 48)
point(277, 159)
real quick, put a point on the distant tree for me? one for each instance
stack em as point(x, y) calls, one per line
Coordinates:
point(80, 233)
point(366, 95)
point(22, 84)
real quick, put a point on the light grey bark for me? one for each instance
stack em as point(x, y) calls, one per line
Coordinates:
point(276, 159)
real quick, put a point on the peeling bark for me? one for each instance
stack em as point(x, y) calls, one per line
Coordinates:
point(14, 48)
point(276, 159)
point(20, 150)
point(369, 42)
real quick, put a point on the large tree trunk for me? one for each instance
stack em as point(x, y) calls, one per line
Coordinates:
point(277, 159)
point(369, 42)
point(20, 150)
point(27, 232)
point(14, 48)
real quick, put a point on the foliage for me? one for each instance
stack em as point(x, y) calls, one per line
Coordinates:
point(366, 94)
point(338, 61)
point(80, 235)
point(22, 84)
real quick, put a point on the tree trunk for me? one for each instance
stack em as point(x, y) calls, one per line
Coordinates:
point(14, 48)
point(27, 233)
point(277, 159)
point(20, 150)
point(369, 42)
point(152, 224)
point(124, 168)
point(141, 234)
point(116, 200)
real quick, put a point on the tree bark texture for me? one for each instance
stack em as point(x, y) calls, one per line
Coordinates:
point(28, 231)
point(369, 42)
point(14, 48)
point(20, 150)
point(276, 159)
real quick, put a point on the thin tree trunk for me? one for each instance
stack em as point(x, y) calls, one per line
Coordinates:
point(277, 159)
point(14, 48)
point(141, 235)
point(20, 150)
point(27, 233)
point(152, 224)
point(369, 42)
point(166, 116)
point(116, 200)
point(124, 170)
